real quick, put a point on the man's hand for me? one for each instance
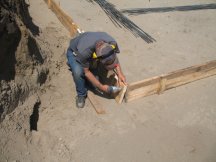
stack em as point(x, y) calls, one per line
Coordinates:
point(104, 88)
point(94, 81)
point(121, 78)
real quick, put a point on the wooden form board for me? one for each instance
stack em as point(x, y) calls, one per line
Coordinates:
point(158, 84)
point(95, 103)
point(120, 96)
point(63, 17)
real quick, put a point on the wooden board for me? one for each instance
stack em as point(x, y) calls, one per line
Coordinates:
point(158, 84)
point(120, 96)
point(95, 103)
point(63, 17)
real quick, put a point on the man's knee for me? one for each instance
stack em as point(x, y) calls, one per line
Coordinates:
point(77, 72)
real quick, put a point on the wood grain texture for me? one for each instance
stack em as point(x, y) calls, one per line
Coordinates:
point(63, 17)
point(95, 103)
point(120, 96)
point(158, 84)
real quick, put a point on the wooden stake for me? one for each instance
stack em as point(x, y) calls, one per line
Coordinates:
point(120, 96)
point(162, 85)
point(62, 16)
point(49, 3)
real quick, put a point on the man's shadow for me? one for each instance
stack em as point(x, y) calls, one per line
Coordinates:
point(106, 77)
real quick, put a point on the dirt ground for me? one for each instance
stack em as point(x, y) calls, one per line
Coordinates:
point(176, 126)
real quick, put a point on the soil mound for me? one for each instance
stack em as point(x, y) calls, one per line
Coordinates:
point(22, 68)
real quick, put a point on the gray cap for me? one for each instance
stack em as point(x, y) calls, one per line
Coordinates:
point(107, 55)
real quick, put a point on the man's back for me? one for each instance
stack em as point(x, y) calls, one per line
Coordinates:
point(87, 41)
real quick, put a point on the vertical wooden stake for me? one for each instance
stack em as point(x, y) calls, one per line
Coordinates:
point(49, 4)
point(162, 85)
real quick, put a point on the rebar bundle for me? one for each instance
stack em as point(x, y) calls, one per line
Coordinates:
point(122, 21)
point(138, 11)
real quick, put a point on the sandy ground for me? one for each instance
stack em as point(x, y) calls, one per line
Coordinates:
point(179, 125)
point(182, 38)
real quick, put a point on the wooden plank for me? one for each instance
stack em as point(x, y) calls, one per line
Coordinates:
point(164, 82)
point(65, 20)
point(48, 3)
point(120, 96)
point(95, 103)
point(162, 86)
point(63, 17)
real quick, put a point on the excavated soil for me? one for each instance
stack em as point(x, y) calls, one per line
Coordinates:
point(30, 56)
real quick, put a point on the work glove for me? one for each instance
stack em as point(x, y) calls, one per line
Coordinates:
point(113, 89)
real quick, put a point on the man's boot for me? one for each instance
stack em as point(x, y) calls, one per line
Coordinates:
point(80, 101)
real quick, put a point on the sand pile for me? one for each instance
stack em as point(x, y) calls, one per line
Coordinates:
point(30, 56)
point(22, 63)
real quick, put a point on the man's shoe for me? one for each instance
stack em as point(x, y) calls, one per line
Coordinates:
point(80, 101)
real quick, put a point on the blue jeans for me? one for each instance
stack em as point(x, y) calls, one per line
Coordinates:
point(78, 74)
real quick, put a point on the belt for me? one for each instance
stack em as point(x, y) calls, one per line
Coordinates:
point(74, 53)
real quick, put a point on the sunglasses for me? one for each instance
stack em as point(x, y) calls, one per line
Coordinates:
point(107, 55)
point(109, 62)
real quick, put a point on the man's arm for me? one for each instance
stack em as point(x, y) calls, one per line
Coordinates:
point(94, 81)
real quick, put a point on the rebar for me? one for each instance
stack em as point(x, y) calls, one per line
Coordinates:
point(138, 11)
point(122, 21)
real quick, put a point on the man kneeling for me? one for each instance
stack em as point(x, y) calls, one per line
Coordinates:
point(87, 49)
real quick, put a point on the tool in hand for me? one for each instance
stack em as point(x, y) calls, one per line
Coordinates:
point(114, 89)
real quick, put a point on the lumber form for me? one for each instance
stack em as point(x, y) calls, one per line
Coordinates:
point(95, 103)
point(63, 17)
point(158, 84)
point(120, 96)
